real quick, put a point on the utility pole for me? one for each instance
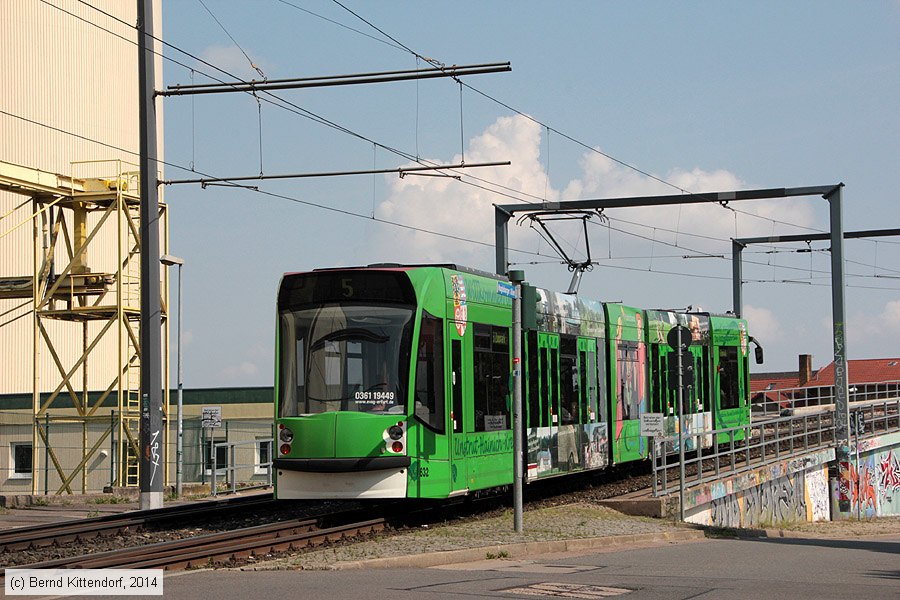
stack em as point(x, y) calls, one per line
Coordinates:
point(517, 277)
point(151, 438)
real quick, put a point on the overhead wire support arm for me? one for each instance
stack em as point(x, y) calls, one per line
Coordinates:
point(504, 212)
point(813, 237)
point(454, 71)
point(399, 170)
point(576, 267)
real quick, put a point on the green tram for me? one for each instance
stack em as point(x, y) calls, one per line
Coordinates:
point(396, 382)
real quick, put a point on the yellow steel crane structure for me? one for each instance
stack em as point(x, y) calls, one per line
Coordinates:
point(86, 309)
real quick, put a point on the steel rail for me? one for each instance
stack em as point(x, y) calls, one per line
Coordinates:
point(216, 548)
point(22, 538)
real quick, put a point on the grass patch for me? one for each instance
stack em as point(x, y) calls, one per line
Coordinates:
point(721, 532)
point(501, 554)
point(110, 500)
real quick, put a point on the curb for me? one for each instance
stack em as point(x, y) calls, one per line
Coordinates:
point(518, 550)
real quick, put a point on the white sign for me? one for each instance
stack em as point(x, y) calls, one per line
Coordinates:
point(652, 424)
point(211, 416)
point(494, 422)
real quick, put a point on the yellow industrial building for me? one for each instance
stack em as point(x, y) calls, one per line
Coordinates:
point(70, 268)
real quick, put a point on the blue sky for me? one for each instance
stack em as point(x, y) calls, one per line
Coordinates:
point(705, 96)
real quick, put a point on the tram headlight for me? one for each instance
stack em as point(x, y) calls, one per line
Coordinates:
point(286, 435)
point(395, 438)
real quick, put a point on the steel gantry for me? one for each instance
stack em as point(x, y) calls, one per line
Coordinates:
point(831, 193)
point(86, 291)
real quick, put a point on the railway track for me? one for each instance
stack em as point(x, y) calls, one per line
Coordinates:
point(227, 548)
point(84, 530)
point(217, 549)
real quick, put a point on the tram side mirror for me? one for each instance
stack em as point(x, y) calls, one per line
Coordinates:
point(757, 351)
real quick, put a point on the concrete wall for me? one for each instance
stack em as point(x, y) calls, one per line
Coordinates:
point(871, 488)
point(788, 491)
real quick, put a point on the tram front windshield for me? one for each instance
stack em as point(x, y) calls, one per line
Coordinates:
point(345, 357)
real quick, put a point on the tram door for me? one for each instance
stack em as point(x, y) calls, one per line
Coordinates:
point(593, 404)
point(456, 424)
point(548, 355)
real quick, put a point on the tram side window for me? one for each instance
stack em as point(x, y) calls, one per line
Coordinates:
point(728, 377)
point(553, 391)
point(656, 380)
point(535, 414)
point(628, 374)
point(456, 359)
point(702, 382)
point(594, 390)
point(430, 373)
point(568, 380)
point(602, 407)
point(586, 386)
point(491, 358)
point(292, 372)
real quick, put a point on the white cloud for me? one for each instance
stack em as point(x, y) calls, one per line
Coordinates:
point(445, 205)
point(764, 325)
point(239, 372)
point(890, 318)
point(885, 326)
point(232, 60)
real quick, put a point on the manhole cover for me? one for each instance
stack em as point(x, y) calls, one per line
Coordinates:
point(568, 590)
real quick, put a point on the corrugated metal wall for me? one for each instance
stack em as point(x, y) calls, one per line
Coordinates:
point(69, 94)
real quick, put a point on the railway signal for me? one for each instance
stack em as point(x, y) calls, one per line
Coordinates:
point(682, 363)
point(680, 338)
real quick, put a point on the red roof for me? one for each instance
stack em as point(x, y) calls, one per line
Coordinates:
point(872, 370)
point(773, 381)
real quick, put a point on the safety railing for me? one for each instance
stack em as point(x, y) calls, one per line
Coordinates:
point(233, 467)
point(740, 449)
point(872, 417)
point(788, 401)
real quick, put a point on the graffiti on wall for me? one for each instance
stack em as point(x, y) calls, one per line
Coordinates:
point(802, 496)
point(817, 500)
point(873, 488)
point(889, 475)
point(777, 501)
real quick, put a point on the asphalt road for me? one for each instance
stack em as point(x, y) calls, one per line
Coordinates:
point(765, 568)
